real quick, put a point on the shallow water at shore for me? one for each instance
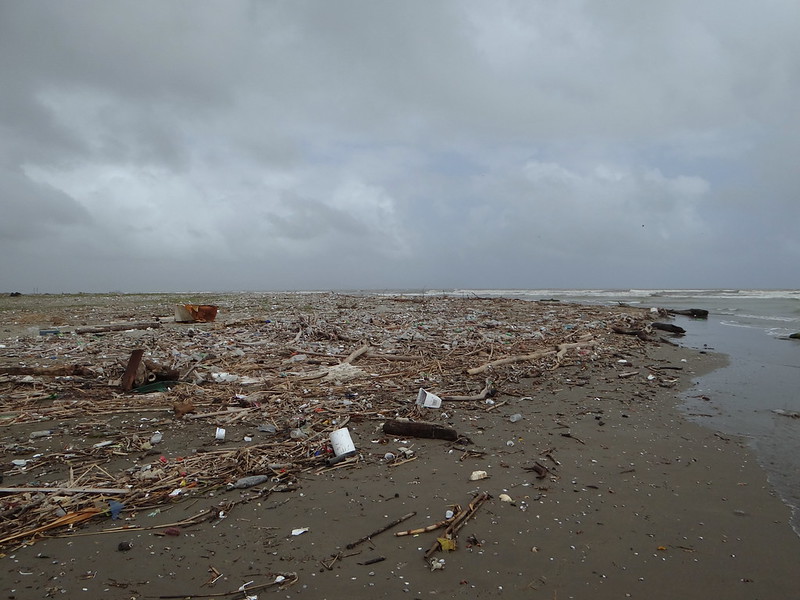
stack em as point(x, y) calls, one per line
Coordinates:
point(761, 377)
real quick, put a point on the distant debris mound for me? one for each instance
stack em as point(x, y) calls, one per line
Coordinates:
point(15, 294)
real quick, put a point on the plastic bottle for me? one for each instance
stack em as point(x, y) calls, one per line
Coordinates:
point(515, 417)
point(40, 434)
point(246, 482)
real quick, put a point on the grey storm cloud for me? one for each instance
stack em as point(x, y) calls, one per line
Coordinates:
point(373, 143)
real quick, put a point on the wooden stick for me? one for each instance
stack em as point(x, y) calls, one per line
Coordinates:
point(246, 591)
point(118, 327)
point(66, 490)
point(431, 527)
point(68, 519)
point(508, 360)
point(562, 348)
point(459, 521)
point(487, 392)
point(397, 463)
point(381, 530)
point(130, 371)
point(356, 353)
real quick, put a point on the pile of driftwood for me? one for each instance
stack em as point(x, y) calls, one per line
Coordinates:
point(290, 368)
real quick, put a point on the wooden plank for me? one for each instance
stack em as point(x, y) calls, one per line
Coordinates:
point(130, 371)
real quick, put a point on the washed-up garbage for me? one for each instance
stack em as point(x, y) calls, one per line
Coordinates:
point(342, 443)
point(357, 365)
point(40, 434)
point(427, 400)
point(248, 482)
point(420, 429)
point(191, 313)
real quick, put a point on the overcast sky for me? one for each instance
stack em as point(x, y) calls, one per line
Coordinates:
point(343, 144)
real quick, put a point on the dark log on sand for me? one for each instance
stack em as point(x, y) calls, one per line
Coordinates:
point(669, 327)
point(421, 430)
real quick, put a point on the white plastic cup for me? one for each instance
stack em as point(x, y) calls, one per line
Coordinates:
point(220, 433)
point(341, 442)
point(428, 400)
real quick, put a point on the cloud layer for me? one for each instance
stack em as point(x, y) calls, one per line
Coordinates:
point(376, 144)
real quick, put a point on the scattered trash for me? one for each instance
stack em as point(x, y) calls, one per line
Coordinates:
point(437, 565)
point(115, 508)
point(298, 409)
point(248, 482)
point(420, 429)
point(478, 475)
point(297, 434)
point(299, 530)
point(156, 386)
point(505, 498)
point(446, 544)
point(787, 413)
point(447, 540)
point(124, 546)
point(427, 400)
point(191, 313)
point(342, 443)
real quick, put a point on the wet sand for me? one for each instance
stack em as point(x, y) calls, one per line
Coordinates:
point(637, 503)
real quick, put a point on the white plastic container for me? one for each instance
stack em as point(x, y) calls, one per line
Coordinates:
point(428, 400)
point(220, 433)
point(341, 442)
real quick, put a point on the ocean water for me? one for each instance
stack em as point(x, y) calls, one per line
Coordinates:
point(762, 379)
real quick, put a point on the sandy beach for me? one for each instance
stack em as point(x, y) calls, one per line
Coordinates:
point(594, 484)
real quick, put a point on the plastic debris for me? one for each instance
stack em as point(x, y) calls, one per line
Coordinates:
point(248, 482)
point(427, 400)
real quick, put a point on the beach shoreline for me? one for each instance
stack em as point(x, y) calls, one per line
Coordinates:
point(636, 500)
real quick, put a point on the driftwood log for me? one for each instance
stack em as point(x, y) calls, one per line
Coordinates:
point(420, 429)
point(640, 333)
point(669, 327)
point(117, 327)
point(695, 313)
